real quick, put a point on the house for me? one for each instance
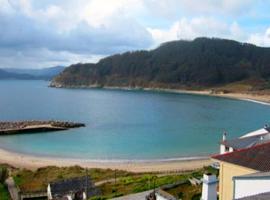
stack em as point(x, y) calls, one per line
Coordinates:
point(79, 188)
point(245, 173)
point(248, 140)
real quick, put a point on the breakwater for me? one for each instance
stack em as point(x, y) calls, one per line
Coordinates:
point(35, 126)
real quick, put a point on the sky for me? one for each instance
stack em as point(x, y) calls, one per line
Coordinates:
point(46, 33)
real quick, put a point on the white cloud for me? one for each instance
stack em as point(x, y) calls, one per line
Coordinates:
point(78, 29)
point(198, 27)
point(39, 58)
point(102, 12)
point(64, 27)
point(176, 8)
point(261, 39)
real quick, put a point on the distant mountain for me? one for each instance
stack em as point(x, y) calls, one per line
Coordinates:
point(8, 75)
point(43, 74)
point(202, 62)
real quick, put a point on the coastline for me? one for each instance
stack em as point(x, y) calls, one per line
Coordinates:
point(169, 165)
point(245, 96)
point(255, 98)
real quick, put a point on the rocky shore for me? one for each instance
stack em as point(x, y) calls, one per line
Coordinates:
point(7, 128)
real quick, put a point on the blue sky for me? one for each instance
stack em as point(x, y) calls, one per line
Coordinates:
point(44, 33)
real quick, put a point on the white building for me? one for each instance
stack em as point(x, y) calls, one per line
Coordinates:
point(209, 189)
point(251, 185)
point(245, 174)
point(248, 140)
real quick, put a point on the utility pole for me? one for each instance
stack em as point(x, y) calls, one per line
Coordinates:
point(86, 190)
point(114, 177)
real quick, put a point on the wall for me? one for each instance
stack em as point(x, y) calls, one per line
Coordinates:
point(249, 187)
point(227, 172)
point(159, 197)
point(222, 149)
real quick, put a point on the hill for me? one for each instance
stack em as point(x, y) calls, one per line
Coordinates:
point(200, 63)
point(8, 75)
point(38, 74)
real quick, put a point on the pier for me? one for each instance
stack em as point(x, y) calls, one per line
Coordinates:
point(20, 127)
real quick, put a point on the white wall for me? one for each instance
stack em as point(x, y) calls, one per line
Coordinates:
point(49, 192)
point(222, 149)
point(244, 187)
point(159, 197)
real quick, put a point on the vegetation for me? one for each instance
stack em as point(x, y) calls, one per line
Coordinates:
point(4, 195)
point(113, 183)
point(197, 64)
point(31, 181)
point(178, 184)
point(3, 174)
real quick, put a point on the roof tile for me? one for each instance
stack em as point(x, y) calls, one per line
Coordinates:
point(256, 157)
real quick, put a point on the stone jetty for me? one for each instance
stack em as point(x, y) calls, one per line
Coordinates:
point(35, 126)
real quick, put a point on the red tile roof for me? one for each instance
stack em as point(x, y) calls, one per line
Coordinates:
point(256, 157)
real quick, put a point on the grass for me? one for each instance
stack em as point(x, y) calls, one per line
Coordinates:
point(142, 182)
point(126, 182)
point(31, 181)
point(4, 195)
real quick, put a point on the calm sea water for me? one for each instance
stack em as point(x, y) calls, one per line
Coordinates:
point(124, 124)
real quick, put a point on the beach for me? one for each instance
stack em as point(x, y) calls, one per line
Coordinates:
point(34, 162)
point(256, 97)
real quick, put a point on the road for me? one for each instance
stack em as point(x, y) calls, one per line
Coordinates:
point(13, 190)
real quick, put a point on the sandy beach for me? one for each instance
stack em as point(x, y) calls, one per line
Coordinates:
point(263, 98)
point(34, 162)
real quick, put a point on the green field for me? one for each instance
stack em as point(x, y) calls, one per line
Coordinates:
point(112, 183)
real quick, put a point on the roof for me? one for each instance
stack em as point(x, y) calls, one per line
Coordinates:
point(256, 157)
point(72, 185)
point(245, 142)
point(257, 175)
point(264, 130)
point(262, 196)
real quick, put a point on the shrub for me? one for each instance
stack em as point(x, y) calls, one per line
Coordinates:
point(3, 174)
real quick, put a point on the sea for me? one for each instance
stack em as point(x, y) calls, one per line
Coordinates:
point(124, 124)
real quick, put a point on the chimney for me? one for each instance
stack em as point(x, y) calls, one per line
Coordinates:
point(224, 136)
point(209, 190)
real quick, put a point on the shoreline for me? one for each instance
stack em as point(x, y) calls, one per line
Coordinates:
point(255, 98)
point(244, 96)
point(167, 165)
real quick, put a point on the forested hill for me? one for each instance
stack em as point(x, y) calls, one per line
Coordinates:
point(202, 62)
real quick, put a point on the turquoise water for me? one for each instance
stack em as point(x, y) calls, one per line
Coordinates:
point(124, 124)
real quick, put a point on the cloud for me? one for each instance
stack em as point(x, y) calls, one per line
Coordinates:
point(261, 39)
point(197, 27)
point(67, 31)
point(179, 8)
point(40, 58)
point(24, 28)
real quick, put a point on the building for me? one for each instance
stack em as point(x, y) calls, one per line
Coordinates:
point(244, 173)
point(79, 188)
point(248, 140)
point(209, 189)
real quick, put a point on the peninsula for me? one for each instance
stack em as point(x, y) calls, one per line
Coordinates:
point(8, 128)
